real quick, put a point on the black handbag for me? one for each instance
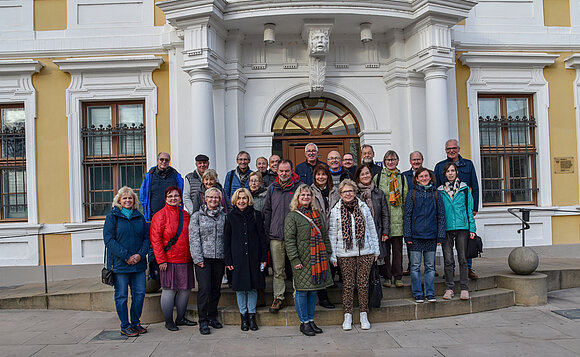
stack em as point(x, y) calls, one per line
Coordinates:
point(107, 276)
point(375, 287)
point(475, 245)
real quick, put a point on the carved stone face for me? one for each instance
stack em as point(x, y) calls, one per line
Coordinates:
point(318, 42)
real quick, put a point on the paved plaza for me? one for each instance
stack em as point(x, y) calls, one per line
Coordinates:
point(515, 331)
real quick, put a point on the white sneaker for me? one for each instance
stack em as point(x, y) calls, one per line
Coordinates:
point(347, 324)
point(364, 321)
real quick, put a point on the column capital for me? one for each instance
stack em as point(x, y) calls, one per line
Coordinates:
point(201, 75)
point(435, 72)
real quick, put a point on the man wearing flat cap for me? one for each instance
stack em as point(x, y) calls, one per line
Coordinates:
point(193, 181)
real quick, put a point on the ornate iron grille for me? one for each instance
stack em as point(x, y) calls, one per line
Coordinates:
point(13, 172)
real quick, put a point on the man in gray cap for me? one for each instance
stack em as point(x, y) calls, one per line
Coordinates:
point(193, 181)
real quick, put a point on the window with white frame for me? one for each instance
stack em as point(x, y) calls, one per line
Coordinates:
point(13, 202)
point(508, 149)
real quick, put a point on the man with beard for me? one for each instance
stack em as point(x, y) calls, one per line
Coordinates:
point(348, 163)
point(367, 157)
point(276, 208)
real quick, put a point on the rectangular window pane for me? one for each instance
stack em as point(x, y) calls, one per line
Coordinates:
point(521, 178)
point(100, 189)
point(100, 119)
point(490, 130)
point(492, 179)
point(13, 139)
point(132, 176)
point(14, 193)
point(517, 107)
point(489, 107)
point(131, 140)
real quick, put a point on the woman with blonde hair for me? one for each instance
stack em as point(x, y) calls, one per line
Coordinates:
point(209, 179)
point(355, 246)
point(127, 243)
point(245, 254)
point(308, 249)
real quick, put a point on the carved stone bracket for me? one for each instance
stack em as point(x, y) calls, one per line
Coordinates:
point(317, 33)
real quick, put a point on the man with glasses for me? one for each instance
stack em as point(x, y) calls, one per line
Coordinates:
point(305, 169)
point(348, 163)
point(238, 177)
point(337, 172)
point(466, 173)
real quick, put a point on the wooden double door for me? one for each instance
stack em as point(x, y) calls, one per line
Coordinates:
point(293, 149)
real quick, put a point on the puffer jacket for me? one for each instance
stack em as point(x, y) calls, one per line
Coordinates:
point(163, 227)
point(297, 244)
point(425, 215)
point(206, 236)
point(333, 197)
point(456, 216)
point(395, 213)
point(124, 237)
point(371, 245)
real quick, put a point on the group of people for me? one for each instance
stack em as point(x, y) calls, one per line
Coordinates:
point(318, 220)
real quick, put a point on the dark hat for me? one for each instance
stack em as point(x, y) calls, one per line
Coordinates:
point(201, 157)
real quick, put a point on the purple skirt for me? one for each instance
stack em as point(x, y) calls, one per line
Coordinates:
point(177, 276)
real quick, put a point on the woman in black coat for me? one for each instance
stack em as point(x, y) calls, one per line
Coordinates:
point(245, 254)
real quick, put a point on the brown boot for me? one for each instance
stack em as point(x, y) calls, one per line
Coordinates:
point(471, 274)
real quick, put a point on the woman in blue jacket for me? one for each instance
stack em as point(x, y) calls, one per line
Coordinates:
point(424, 230)
point(460, 226)
point(127, 243)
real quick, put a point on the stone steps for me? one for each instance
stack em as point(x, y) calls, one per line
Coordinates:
point(390, 310)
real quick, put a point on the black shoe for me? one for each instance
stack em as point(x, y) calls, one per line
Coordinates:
point(244, 318)
point(315, 328)
point(306, 329)
point(327, 304)
point(215, 324)
point(185, 322)
point(170, 325)
point(252, 321)
point(204, 328)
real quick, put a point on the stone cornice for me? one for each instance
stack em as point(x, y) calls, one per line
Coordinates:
point(573, 61)
point(24, 66)
point(107, 64)
point(507, 59)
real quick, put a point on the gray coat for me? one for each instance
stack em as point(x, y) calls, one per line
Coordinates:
point(206, 236)
point(333, 198)
point(381, 217)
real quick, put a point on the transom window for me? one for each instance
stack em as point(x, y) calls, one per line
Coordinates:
point(113, 137)
point(13, 205)
point(508, 149)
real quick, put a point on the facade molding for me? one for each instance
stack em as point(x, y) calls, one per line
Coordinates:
point(573, 62)
point(91, 81)
point(501, 72)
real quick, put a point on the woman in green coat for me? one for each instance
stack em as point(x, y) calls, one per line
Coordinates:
point(309, 251)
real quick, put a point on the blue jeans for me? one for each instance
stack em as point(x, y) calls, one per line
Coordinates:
point(124, 281)
point(305, 302)
point(247, 301)
point(429, 262)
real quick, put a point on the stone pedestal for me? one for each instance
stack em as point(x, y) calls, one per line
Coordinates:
point(531, 290)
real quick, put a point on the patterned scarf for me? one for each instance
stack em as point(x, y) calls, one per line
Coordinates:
point(318, 259)
point(394, 190)
point(213, 213)
point(346, 209)
point(452, 187)
point(365, 194)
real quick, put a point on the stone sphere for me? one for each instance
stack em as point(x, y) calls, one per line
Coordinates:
point(523, 260)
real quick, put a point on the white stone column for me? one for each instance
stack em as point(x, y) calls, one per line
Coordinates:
point(202, 115)
point(437, 114)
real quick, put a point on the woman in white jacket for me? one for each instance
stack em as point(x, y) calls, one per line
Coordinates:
point(355, 246)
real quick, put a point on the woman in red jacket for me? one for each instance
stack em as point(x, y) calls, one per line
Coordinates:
point(170, 242)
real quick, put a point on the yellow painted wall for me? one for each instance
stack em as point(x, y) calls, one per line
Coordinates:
point(462, 73)
point(49, 15)
point(563, 137)
point(161, 79)
point(52, 144)
point(557, 13)
point(565, 230)
point(159, 15)
point(58, 250)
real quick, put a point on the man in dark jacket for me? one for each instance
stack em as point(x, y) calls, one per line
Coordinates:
point(416, 161)
point(268, 176)
point(193, 181)
point(337, 172)
point(466, 173)
point(157, 180)
point(368, 157)
point(276, 208)
point(348, 163)
point(305, 169)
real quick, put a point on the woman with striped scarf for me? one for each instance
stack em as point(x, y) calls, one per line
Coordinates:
point(308, 249)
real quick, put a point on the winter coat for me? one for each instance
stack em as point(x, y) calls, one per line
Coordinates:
point(381, 218)
point(163, 227)
point(206, 236)
point(409, 174)
point(339, 250)
point(259, 198)
point(424, 215)
point(277, 206)
point(145, 191)
point(297, 244)
point(465, 172)
point(232, 183)
point(245, 248)
point(395, 213)
point(456, 216)
point(123, 238)
point(199, 199)
point(190, 187)
point(268, 177)
point(333, 197)
point(305, 171)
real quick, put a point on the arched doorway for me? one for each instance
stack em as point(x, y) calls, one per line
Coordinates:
point(322, 121)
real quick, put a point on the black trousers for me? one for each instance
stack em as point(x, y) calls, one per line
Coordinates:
point(209, 282)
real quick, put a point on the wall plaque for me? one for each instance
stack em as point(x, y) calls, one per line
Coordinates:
point(564, 165)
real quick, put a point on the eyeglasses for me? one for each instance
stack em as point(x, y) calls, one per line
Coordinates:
point(351, 192)
point(451, 148)
point(213, 197)
point(391, 160)
point(172, 196)
point(162, 159)
point(243, 159)
point(314, 151)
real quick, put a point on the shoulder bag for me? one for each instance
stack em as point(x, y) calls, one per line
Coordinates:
point(107, 276)
point(475, 245)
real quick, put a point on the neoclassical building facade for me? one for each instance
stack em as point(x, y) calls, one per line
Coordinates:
point(91, 91)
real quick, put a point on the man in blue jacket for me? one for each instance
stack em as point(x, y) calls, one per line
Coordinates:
point(238, 177)
point(466, 174)
point(416, 161)
point(305, 169)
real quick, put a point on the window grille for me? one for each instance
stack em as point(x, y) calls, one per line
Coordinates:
point(13, 203)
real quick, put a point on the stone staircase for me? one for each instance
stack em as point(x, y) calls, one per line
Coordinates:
point(397, 305)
